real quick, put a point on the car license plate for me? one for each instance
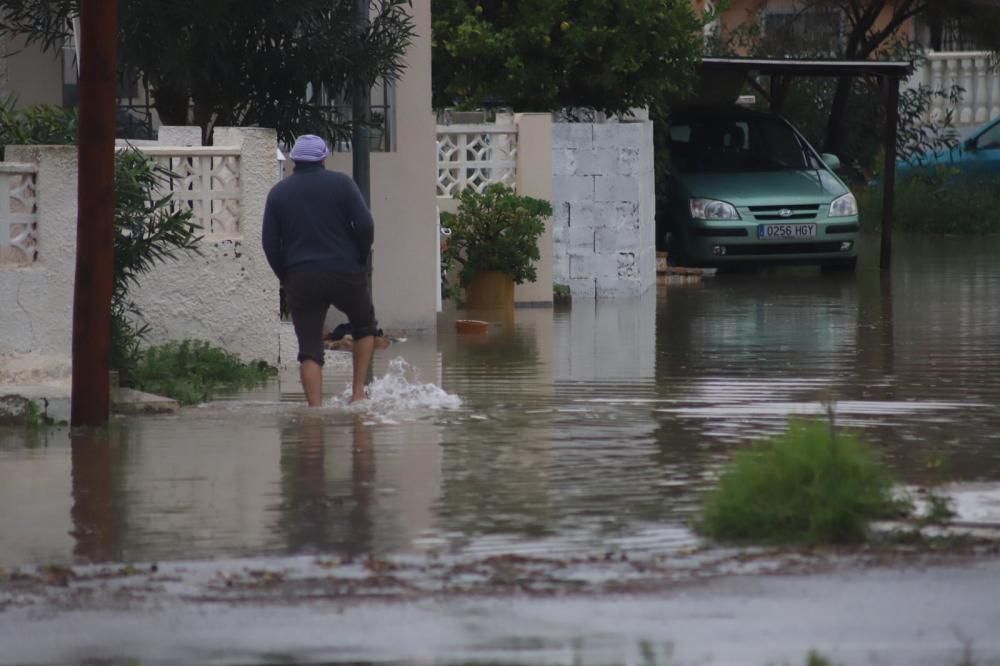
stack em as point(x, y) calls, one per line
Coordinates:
point(785, 231)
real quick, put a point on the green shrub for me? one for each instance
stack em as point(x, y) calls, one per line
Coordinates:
point(193, 371)
point(494, 230)
point(810, 485)
point(36, 125)
point(149, 229)
point(936, 202)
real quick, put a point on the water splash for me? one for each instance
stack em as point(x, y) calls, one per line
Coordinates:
point(399, 390)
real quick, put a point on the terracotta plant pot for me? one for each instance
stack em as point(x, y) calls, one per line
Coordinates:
point(471, 327)
point(490, 290)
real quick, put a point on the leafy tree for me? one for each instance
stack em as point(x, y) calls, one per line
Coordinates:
point(547, 55)
point(240, 62)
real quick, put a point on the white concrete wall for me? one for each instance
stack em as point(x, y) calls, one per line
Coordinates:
point(32, 75)
point(532, 178)
point(604, 206)
point(227, 296)
point(403, 201)
point(36, 301)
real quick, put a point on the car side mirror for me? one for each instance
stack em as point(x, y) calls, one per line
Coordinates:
point(831, 161)
point(970, 145)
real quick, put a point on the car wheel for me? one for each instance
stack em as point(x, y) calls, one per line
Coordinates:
point(839, 265)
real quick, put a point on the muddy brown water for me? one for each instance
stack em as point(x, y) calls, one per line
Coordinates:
point(589, 429)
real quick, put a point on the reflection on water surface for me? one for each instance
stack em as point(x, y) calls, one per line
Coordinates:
point(588, 429)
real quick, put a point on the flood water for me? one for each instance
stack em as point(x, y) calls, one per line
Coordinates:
point(589, 429)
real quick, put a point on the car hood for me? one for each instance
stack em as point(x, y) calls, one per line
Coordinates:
point(765, 187)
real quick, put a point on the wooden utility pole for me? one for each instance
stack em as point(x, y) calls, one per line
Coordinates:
point(90, 402)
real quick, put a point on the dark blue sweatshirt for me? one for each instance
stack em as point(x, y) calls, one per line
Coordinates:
point(317, 220)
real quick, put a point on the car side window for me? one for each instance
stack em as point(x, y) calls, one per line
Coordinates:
point(680, 147)
point(989, 139)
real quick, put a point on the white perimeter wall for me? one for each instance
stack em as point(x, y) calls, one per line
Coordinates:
point(226, 296)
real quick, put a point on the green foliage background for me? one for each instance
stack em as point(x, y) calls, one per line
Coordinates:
point(548, 55)
point(240, 62)
point(36, 125)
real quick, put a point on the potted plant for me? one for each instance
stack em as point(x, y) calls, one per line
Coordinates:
point(493, 245)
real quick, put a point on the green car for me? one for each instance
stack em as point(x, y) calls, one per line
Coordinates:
point(745, 188)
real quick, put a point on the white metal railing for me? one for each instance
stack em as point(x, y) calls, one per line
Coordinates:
point(206, 182)
point(475, 156)
point(973, 71)
point(18, 215)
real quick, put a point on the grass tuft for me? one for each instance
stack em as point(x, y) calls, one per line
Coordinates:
point(193, 371)
point(811, 485)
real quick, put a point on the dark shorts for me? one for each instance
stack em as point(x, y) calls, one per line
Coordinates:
point(311, 293)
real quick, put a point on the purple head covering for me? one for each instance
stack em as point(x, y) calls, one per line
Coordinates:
point(309, 148)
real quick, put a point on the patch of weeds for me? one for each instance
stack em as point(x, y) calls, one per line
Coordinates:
point(35, 416)
point(193, 371)
point(816, 659)
point(561, 294)
point(939, 510)
point(811, 485)
point(915, 538)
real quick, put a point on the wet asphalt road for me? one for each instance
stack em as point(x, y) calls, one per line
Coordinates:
point(942, 615)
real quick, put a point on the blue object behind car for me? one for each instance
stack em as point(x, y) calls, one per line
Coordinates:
point(978, 155)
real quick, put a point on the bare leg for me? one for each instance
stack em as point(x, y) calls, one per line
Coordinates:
point(364, 349)
point(311, 373)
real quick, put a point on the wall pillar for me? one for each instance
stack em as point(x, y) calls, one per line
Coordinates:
point(534, 179)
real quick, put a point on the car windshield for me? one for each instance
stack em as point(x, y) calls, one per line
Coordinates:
point(727, 145)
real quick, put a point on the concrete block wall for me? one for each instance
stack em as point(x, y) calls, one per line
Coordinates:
point(604, 205)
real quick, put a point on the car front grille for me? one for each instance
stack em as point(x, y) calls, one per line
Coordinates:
point(781, 248)
point(785, 213)
point(708, 232)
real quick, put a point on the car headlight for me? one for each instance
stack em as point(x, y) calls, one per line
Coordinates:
point(844, 206)
point(710, 209)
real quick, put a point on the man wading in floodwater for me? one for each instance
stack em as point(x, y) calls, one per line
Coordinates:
point(317, 237)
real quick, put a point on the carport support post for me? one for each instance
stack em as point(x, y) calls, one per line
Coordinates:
point(889, 176)
point(360, 111)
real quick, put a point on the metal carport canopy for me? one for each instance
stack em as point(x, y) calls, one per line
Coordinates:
point(794, 67)
point(891, 72)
